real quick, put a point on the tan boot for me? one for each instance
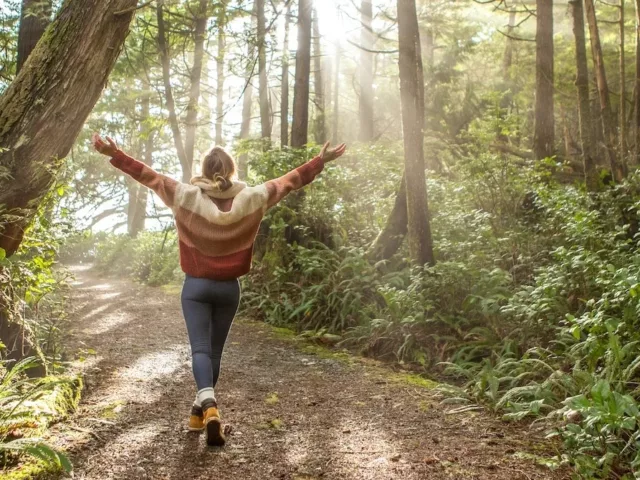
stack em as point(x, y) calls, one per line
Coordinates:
point(196, 420)
point(213, 426)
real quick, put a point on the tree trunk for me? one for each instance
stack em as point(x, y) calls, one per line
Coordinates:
point(138, 201)
point(608, 122)
point(265, 113)
point(636, 121)
point(507, 60)
point(392, 235)
point(584, 104)
point(543, 138)
point(299, 132)
point(623, 89)
point(318, 84)
point(336, 94)
point(220, 74)
point(284, 100)
point(163, 46)
point(35, 16)
point(412, 100)
point(69, 69)
point(191, 118)
point(247, 100)
point(366, 73)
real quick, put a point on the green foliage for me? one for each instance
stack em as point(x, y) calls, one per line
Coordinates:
point(27, 406)
point(151, 258)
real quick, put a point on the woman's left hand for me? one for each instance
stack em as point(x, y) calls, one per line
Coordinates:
point(108, 148)
point(329, 154)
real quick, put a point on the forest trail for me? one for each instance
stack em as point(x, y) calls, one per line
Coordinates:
point(295, 415)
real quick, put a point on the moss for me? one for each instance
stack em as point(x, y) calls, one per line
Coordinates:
point(282, 332)
point(415, 380)
point(549, 462)
point(171, 289)
point(272, 399)
point(328, 354)
point(31, 470)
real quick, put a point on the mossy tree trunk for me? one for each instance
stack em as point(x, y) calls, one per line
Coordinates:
point(300, 127)
point(35, 16)
point(44, 108)
point(584, 104)
point(412, 100)
point(41, 114)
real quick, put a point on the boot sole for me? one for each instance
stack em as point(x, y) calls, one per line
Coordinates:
point(215, 438)
point(193, 429)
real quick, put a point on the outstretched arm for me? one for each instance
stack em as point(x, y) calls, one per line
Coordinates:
point(303, 175)
point(164, 186)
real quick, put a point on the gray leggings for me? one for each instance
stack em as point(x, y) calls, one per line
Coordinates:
point(208, 307)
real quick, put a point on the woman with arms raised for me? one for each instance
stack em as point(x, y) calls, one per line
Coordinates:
point(217, 218)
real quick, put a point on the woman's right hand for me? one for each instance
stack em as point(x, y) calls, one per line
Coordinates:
point(329, 154)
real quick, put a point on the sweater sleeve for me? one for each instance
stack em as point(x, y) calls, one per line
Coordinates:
point(294, 180)
point(164, 186)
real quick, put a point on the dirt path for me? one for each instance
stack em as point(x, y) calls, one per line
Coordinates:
point(295, 416)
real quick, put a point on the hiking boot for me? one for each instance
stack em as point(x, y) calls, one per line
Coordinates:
point(196, 420)
point(212, 424)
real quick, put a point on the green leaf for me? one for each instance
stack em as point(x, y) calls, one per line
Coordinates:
point(3, 254)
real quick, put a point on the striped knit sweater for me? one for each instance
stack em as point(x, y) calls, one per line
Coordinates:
point(217, 230)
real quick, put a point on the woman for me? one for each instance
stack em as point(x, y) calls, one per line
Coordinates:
point(217, 219)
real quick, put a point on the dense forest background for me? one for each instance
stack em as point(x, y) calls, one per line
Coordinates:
point(518, 280)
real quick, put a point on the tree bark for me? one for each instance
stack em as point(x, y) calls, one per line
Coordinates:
point(247, 100)
point(366, 71)
point(584, 103)
point(623, 88)
point(543, 138)
point(68, 71)
point(191, 118)
point(412, 100)
point(222, 22)
point(35, 16)
point(318, 84)
point(636, 120)
point(265, 110)
point(392, 235)
point(138, 201)
point(284, 100)
point(300, 128)
point(618, 169)
point(507, 60)
point(336, 94)
point(165, 60)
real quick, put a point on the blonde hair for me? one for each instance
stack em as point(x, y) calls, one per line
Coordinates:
point(219, 167)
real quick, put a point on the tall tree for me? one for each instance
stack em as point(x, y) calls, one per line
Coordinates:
point(185, 149)
point(623, 87)
point(543, 137)
point(318, 84)
point(584, 104)
point(300, 127)
point(636, 122)
point(265, 110)
point(412, 100)
point(607, 119)
point(247, 100)
point(284, 97)
point(75, 59)
point(336, 93)
point(35, 16)
point(366, 71)
point(138, 194)
point(222, 35)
